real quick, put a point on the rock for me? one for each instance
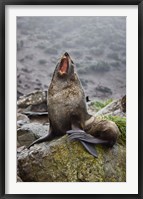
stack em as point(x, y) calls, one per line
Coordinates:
point(20, 149)
point(33, 105)
point(114, 109)
point(19, 93)
point(123, 103)
point(30, 132)
point(33, 101)
point(64, 161)
point(18, 144)
point(22, 119)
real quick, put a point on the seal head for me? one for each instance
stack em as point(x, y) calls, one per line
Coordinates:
point(64, 68)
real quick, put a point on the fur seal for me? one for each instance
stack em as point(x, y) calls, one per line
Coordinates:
point(68, 112)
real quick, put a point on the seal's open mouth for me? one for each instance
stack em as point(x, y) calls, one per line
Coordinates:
point(64, 64)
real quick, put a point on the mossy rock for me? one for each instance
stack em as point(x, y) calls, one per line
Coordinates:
point(64, 161)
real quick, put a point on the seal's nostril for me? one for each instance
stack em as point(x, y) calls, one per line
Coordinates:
point(66, 54)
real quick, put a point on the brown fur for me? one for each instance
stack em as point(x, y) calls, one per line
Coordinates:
point(67, 107)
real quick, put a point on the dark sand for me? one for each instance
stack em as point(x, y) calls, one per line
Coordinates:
point(97, 46)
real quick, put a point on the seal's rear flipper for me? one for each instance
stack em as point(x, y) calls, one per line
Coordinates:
point(81, 135)
point(86, 140)
point(90, 148)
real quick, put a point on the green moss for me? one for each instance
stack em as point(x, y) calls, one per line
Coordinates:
point(101, 104)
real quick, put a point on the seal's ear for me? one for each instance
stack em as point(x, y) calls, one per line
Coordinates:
point(87, 99)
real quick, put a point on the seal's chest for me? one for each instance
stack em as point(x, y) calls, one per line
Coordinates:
point(65, 98)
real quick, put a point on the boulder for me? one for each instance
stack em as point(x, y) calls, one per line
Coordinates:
point(22, 119)
point(27, 133)
point(64, 161)
point(114, 109)
point(35, 101)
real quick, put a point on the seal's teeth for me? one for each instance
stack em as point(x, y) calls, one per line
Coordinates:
point(62, 73)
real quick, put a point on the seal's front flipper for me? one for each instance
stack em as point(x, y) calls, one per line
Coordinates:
point(42, 139)
point(90, 148)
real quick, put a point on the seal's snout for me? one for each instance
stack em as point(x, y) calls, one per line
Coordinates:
point(66, 54)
